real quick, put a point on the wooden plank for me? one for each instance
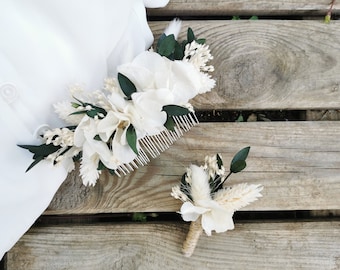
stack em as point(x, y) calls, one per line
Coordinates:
point(269, 64)
point(282, 245)
point(251, 7)
point(297, 162)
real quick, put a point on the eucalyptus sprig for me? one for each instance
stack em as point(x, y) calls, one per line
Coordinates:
point(169, 47)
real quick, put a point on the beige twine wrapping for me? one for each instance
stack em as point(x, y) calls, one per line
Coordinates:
point(193, 235)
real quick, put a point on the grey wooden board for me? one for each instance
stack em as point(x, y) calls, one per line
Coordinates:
point(278, 245)
point(297, 162)
point(270, 64)
point(252, 7)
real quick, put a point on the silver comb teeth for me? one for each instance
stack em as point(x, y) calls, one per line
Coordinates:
point(153, 146)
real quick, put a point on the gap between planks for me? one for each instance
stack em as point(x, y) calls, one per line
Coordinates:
point(250, 7)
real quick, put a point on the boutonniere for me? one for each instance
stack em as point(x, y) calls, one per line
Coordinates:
point(207, 203)
point(136, 116)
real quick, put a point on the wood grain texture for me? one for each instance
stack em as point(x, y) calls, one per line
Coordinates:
point(284, 245)
point(297, 162)
point(251, 7)
point(268, 64)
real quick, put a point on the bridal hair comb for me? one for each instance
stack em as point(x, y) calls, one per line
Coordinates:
point(206, 203)
point(136, 116)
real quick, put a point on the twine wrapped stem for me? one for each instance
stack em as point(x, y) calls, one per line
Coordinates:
point(193, 235)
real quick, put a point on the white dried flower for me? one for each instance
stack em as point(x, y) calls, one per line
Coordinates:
point(173, 28)
point(211, 165)
point(59, 137)
point(111, 85)
point(64, 110)
point(238, 196)
point(198, 55)
point(178, 194)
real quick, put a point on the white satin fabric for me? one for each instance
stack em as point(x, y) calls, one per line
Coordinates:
point(47, 46)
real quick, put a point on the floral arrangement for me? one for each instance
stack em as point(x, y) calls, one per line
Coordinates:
point(207, 203)
point(137, 114)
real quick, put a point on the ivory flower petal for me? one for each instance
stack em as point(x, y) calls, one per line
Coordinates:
point(217, 218)
point(191, 212)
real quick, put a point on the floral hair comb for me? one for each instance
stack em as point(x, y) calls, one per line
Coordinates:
point(137, 115)
point(206, 203)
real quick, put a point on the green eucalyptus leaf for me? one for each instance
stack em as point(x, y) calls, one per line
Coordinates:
point(238, 163)
point(78, 112)
point(174, 110)
point(190, 35)
point(126, 85)
point(170, 124)
point(91, 113)
point(167, 46)
point(238, 166)
point(101, 166)
point(179, 52)
point(159, 42)
point(97, 138)
point(41, 150)
point(201, 41)
point(97, 109)
point(75, 105)
point(131, 138)
point(35, 162)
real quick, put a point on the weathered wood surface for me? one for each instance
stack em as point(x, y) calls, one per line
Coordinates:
point(252, 7)
point(270, 64)
point(281, 245)
point(297, 162)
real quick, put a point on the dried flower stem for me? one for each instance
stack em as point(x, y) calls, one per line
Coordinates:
point(193, 235)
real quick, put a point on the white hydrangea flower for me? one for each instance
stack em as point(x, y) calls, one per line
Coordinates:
point(150, 71)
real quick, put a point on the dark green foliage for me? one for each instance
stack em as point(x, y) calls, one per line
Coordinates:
point(126, 85)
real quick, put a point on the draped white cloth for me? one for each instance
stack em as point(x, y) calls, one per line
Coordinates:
point(45, 47)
